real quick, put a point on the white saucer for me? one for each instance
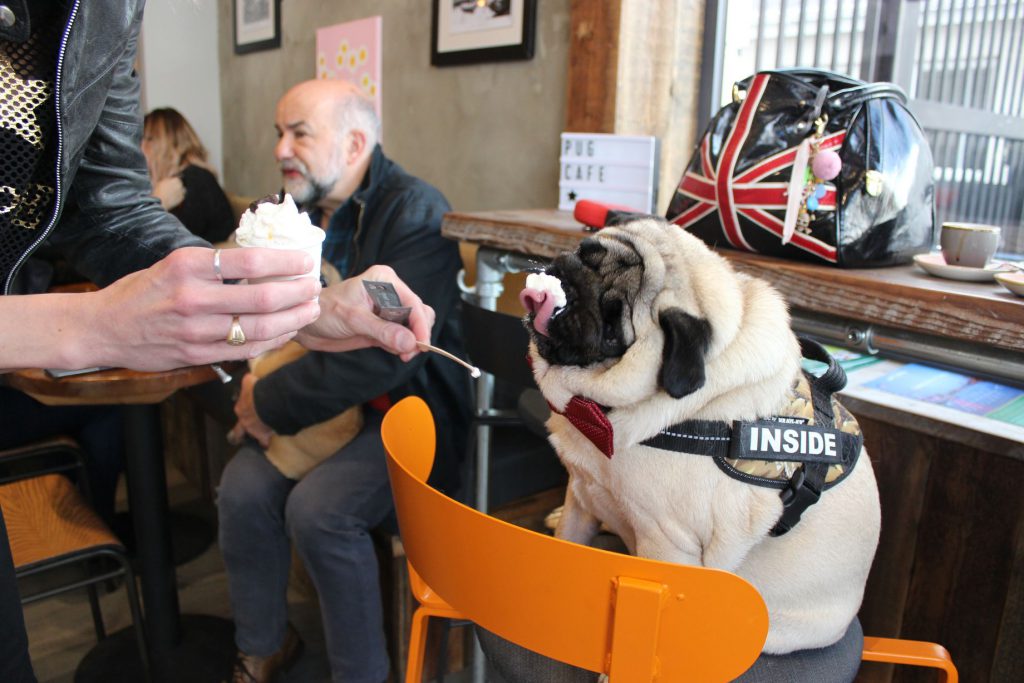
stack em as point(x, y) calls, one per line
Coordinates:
point(934, 264)
point(1012, 281)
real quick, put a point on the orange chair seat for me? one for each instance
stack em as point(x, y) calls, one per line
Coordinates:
point(47, 518)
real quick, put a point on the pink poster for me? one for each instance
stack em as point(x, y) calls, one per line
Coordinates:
point(352, 51)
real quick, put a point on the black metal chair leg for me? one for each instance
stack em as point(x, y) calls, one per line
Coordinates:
point(442, 650)
point(97, 615)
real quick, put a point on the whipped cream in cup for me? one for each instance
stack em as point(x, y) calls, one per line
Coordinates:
point(281, 226)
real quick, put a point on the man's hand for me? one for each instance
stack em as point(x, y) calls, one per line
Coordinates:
point(170, 191)
point(245, 409)
point(347, 321)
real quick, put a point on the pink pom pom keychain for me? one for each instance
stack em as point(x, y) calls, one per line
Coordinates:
point(826, 164)
point(812, 168)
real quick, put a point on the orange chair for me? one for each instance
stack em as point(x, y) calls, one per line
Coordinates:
point(630, 617)
point(633, 618)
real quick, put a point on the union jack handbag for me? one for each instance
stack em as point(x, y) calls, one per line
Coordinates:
point(815, 166)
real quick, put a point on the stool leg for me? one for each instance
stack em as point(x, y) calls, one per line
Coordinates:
point(97, 615)
point(137, 622)
point(442, 650)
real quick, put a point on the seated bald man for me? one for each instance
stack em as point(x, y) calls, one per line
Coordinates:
point(374, 213)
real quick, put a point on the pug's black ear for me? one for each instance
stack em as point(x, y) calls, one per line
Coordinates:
point(686, 342)
point(591, 251)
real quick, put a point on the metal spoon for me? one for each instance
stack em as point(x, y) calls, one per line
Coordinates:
point(474, 371)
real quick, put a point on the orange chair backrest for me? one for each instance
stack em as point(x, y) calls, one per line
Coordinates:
point(633, 618)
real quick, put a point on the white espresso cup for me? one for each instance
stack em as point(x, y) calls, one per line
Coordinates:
point(970, 245)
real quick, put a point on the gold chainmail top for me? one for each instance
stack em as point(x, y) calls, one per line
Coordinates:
point(28, 136)
point(799, 405)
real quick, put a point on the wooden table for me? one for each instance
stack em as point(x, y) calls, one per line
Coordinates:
point(180, 651)
point(113, 386)
point(950, 561)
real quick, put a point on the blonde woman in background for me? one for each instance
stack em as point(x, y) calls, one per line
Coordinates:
point(183, 180)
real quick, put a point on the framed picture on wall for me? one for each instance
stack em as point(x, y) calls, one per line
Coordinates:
point(472, 31)
point(257, 25)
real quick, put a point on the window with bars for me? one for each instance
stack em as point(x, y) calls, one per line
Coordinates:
point(960, 61)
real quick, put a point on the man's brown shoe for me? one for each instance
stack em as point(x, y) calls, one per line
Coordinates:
point(252, 669)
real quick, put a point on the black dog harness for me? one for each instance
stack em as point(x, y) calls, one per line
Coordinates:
point(790, 453)
point(802, 454)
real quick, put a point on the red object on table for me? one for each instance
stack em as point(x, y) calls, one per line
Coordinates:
point(597, 215)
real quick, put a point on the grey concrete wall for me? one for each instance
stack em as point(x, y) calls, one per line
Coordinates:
point(173, 77)
point(485, 134)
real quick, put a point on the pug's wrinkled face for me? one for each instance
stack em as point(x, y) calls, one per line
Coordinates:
point(630, 310)
point(601, 281)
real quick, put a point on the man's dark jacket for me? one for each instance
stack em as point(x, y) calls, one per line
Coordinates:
point(105, 220)
point(398, 223)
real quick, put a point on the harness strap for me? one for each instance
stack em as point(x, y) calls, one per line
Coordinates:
point(805, 486)
point(803, 489)
point(700, 437)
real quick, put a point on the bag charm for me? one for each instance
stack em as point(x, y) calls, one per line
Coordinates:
point(807, 182)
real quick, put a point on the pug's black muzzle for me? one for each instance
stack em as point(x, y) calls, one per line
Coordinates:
point(592, 326)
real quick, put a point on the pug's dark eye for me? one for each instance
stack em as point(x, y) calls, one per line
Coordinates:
point(611, 311)
point(612, 344)
point(591, 252)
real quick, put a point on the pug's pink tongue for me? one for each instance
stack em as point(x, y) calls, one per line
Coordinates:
point(541, 305)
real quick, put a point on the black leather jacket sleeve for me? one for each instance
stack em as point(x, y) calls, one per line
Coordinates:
point(111, 224)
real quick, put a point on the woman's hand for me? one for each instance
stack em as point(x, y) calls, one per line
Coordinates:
point(170, 191)
point(179, 312)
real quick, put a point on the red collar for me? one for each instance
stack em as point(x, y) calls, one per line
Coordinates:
point(589, 418)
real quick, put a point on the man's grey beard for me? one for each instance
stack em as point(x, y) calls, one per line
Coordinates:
point(308, 191)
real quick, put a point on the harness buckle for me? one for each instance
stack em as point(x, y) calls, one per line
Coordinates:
point(798, 495)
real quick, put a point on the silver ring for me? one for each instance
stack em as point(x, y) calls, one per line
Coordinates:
point(216, 267)
point(236, 337)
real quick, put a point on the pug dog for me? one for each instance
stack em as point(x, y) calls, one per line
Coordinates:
point(655, 331)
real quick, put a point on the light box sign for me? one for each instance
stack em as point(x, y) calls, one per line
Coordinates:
point(617, 169)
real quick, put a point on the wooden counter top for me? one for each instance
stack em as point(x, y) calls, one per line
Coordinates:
point(900, 297)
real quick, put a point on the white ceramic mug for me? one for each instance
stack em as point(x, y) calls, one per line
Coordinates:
point(970, 245)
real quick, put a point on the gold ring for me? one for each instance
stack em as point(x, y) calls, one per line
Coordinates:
point(235, 335)
point(216, 268)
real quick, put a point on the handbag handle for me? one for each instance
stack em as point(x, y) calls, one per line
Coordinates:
point(802, 76)
point(870, 91)
point(855, 93)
